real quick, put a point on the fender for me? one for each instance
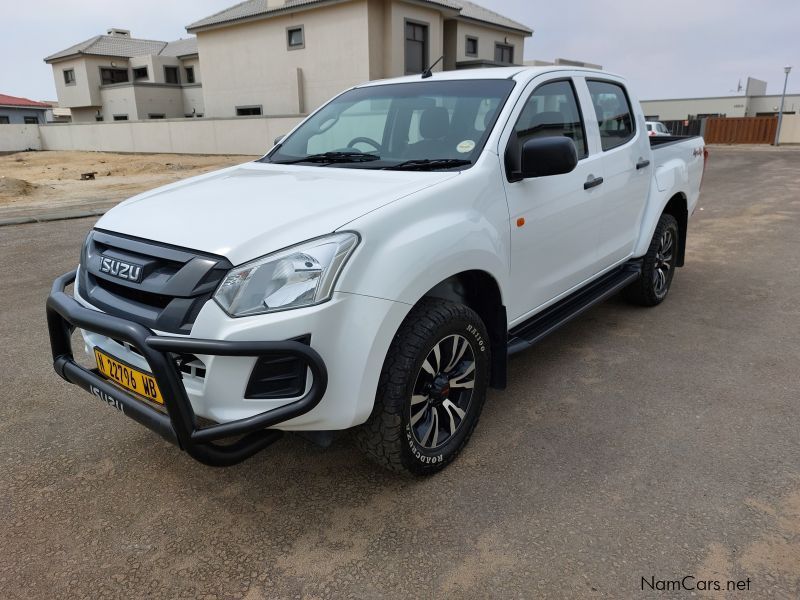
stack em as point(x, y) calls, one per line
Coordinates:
point(655, 208)
point(411, 245)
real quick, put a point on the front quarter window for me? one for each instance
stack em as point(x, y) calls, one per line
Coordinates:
point(430, 124)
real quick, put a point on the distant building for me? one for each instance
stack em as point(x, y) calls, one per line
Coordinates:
point(116, 77)
point(754, 103)
point(57, 114)
point(22, 111)
point(279, 57)
point(562, 62)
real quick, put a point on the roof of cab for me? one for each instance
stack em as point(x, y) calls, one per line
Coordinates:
point(518, 73)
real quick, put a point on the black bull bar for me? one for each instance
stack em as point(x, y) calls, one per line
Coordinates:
point(179, 425)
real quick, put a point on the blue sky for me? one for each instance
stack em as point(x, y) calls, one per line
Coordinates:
point(678, 48)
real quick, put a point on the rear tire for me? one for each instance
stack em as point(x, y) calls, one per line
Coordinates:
point(431, 389)
point(658, 265)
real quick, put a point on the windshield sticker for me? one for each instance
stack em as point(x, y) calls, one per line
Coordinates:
point(466, 146)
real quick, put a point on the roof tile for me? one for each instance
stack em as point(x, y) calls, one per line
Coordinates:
point(255, 8)
point(6, 100)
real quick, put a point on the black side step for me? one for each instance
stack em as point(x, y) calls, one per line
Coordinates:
point(532, 331)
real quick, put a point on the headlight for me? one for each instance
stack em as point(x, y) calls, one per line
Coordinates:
point(302, 275)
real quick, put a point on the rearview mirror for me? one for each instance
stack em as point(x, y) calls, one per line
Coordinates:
point(279, 139)
point(548, 156)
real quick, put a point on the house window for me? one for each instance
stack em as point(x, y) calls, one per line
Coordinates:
point(4, 120)
point(120, 117)
point(416, 47)
point(110, 76)
point(31, 121)
point(295, 38)
point(189, 74)
point(172, 75)
point(69, 76)
point(471, 48)
point(247, 111)
point(98, 118)
point(503, 53)
point(155, 116)
point(139, 73)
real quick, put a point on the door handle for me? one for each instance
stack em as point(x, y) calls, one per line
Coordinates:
point(592, 182)
point(642, 164)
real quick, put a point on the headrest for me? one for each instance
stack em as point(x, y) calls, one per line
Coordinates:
point(434, 123)
point(547, 120)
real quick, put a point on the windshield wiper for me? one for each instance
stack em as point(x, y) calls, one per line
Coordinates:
point(331, 157)
point(429, 164)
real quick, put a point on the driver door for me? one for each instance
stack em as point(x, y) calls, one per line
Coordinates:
point(554, 220)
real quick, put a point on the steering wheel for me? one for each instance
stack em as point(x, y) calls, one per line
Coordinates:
point(364, 140)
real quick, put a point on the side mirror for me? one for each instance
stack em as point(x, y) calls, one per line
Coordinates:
point(278, 140)
point(548, 156)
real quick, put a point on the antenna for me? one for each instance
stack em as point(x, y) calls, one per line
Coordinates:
point(429, 71)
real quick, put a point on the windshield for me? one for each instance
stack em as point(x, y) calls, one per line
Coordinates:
point(426, 125)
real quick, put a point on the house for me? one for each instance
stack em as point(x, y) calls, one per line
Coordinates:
point(116, 77)
point(21, 111)
point(287, 57)
point(57, 114)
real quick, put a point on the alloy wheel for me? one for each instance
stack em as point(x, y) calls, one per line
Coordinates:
point(664, 262)
point(442, 392)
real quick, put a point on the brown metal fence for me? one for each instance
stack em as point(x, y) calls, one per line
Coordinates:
point(741, 130)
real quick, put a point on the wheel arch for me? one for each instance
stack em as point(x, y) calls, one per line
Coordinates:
point(677, 206)
point(480, 291)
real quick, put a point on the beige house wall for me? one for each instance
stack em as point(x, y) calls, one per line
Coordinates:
point(194, 62)
point(116, 100)
point(250, 64)
point(85, 91)
point(395, 35)
point(487, 38)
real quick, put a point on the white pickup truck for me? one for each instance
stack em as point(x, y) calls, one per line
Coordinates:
point(376, 268)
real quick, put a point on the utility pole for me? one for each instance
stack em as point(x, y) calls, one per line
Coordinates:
point(787, 69)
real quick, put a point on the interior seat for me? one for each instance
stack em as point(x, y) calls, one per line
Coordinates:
point(434, 127)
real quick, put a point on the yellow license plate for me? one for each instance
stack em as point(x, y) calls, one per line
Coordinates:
point(131, 379)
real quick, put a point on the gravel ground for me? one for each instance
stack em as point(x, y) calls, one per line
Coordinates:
point(635, 443)
point(34, 184)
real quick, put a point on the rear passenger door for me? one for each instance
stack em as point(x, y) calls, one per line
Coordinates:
point(625, 152)
point(554, 219)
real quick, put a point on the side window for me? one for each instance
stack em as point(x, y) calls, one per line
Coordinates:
point(614, 114)
point(552, 110)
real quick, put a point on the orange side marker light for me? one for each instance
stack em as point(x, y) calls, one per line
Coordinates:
point(520, 221)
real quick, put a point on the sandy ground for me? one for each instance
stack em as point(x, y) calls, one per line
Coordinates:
point(51, 181)
point(634, 443)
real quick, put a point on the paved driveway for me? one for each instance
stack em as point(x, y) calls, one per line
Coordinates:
point(633, 444)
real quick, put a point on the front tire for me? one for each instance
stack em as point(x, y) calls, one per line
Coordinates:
point(658, 265)
point(431, 389)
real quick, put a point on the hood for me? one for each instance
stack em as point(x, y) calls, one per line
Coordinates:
point(250, 210)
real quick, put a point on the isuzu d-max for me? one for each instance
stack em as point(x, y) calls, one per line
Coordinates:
point(377, 267)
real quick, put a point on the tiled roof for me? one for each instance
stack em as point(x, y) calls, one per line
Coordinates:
point(112, 45)
point(256, 8)
point(180, 47)
point(6, 100)
point(474, 11)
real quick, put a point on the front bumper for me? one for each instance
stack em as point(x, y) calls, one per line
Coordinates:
point(180, 424)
